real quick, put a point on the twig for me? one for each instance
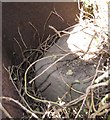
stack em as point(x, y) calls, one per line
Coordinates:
point(105, 75)
point(56, 31)
point(101, 110)
point(25, 79)
point(98, 85)
point(35, 30)
point(19, 47)
point(18, 103)
point(5, 112)
point(50, 14)
point(92, 99)
point(46, 24)
point(89, 45)
point(21, 37)
point(73, 102)
point(88, 89)
point(55, 12)
point(47, 67)
point(90, 105)
point(77, 91)
point(61, 48)
point(22, 98)
point(59, 32)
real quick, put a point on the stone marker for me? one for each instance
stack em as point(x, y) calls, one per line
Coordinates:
point(70, 72)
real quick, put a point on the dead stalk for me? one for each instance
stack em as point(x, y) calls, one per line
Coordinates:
point(23, 107)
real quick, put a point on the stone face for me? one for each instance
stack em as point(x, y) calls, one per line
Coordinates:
point(85, 38)
point(58, 79)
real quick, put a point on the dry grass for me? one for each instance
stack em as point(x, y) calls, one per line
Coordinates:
point(94, 103)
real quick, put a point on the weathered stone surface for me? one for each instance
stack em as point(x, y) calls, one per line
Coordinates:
point(69, 70)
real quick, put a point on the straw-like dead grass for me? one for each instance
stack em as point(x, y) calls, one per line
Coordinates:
point(94, 103)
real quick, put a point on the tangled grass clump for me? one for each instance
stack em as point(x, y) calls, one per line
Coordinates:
point(93, 104)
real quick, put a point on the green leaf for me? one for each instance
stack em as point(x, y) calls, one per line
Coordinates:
point(108, 117)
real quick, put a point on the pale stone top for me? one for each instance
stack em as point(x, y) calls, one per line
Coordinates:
point(88, 36)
